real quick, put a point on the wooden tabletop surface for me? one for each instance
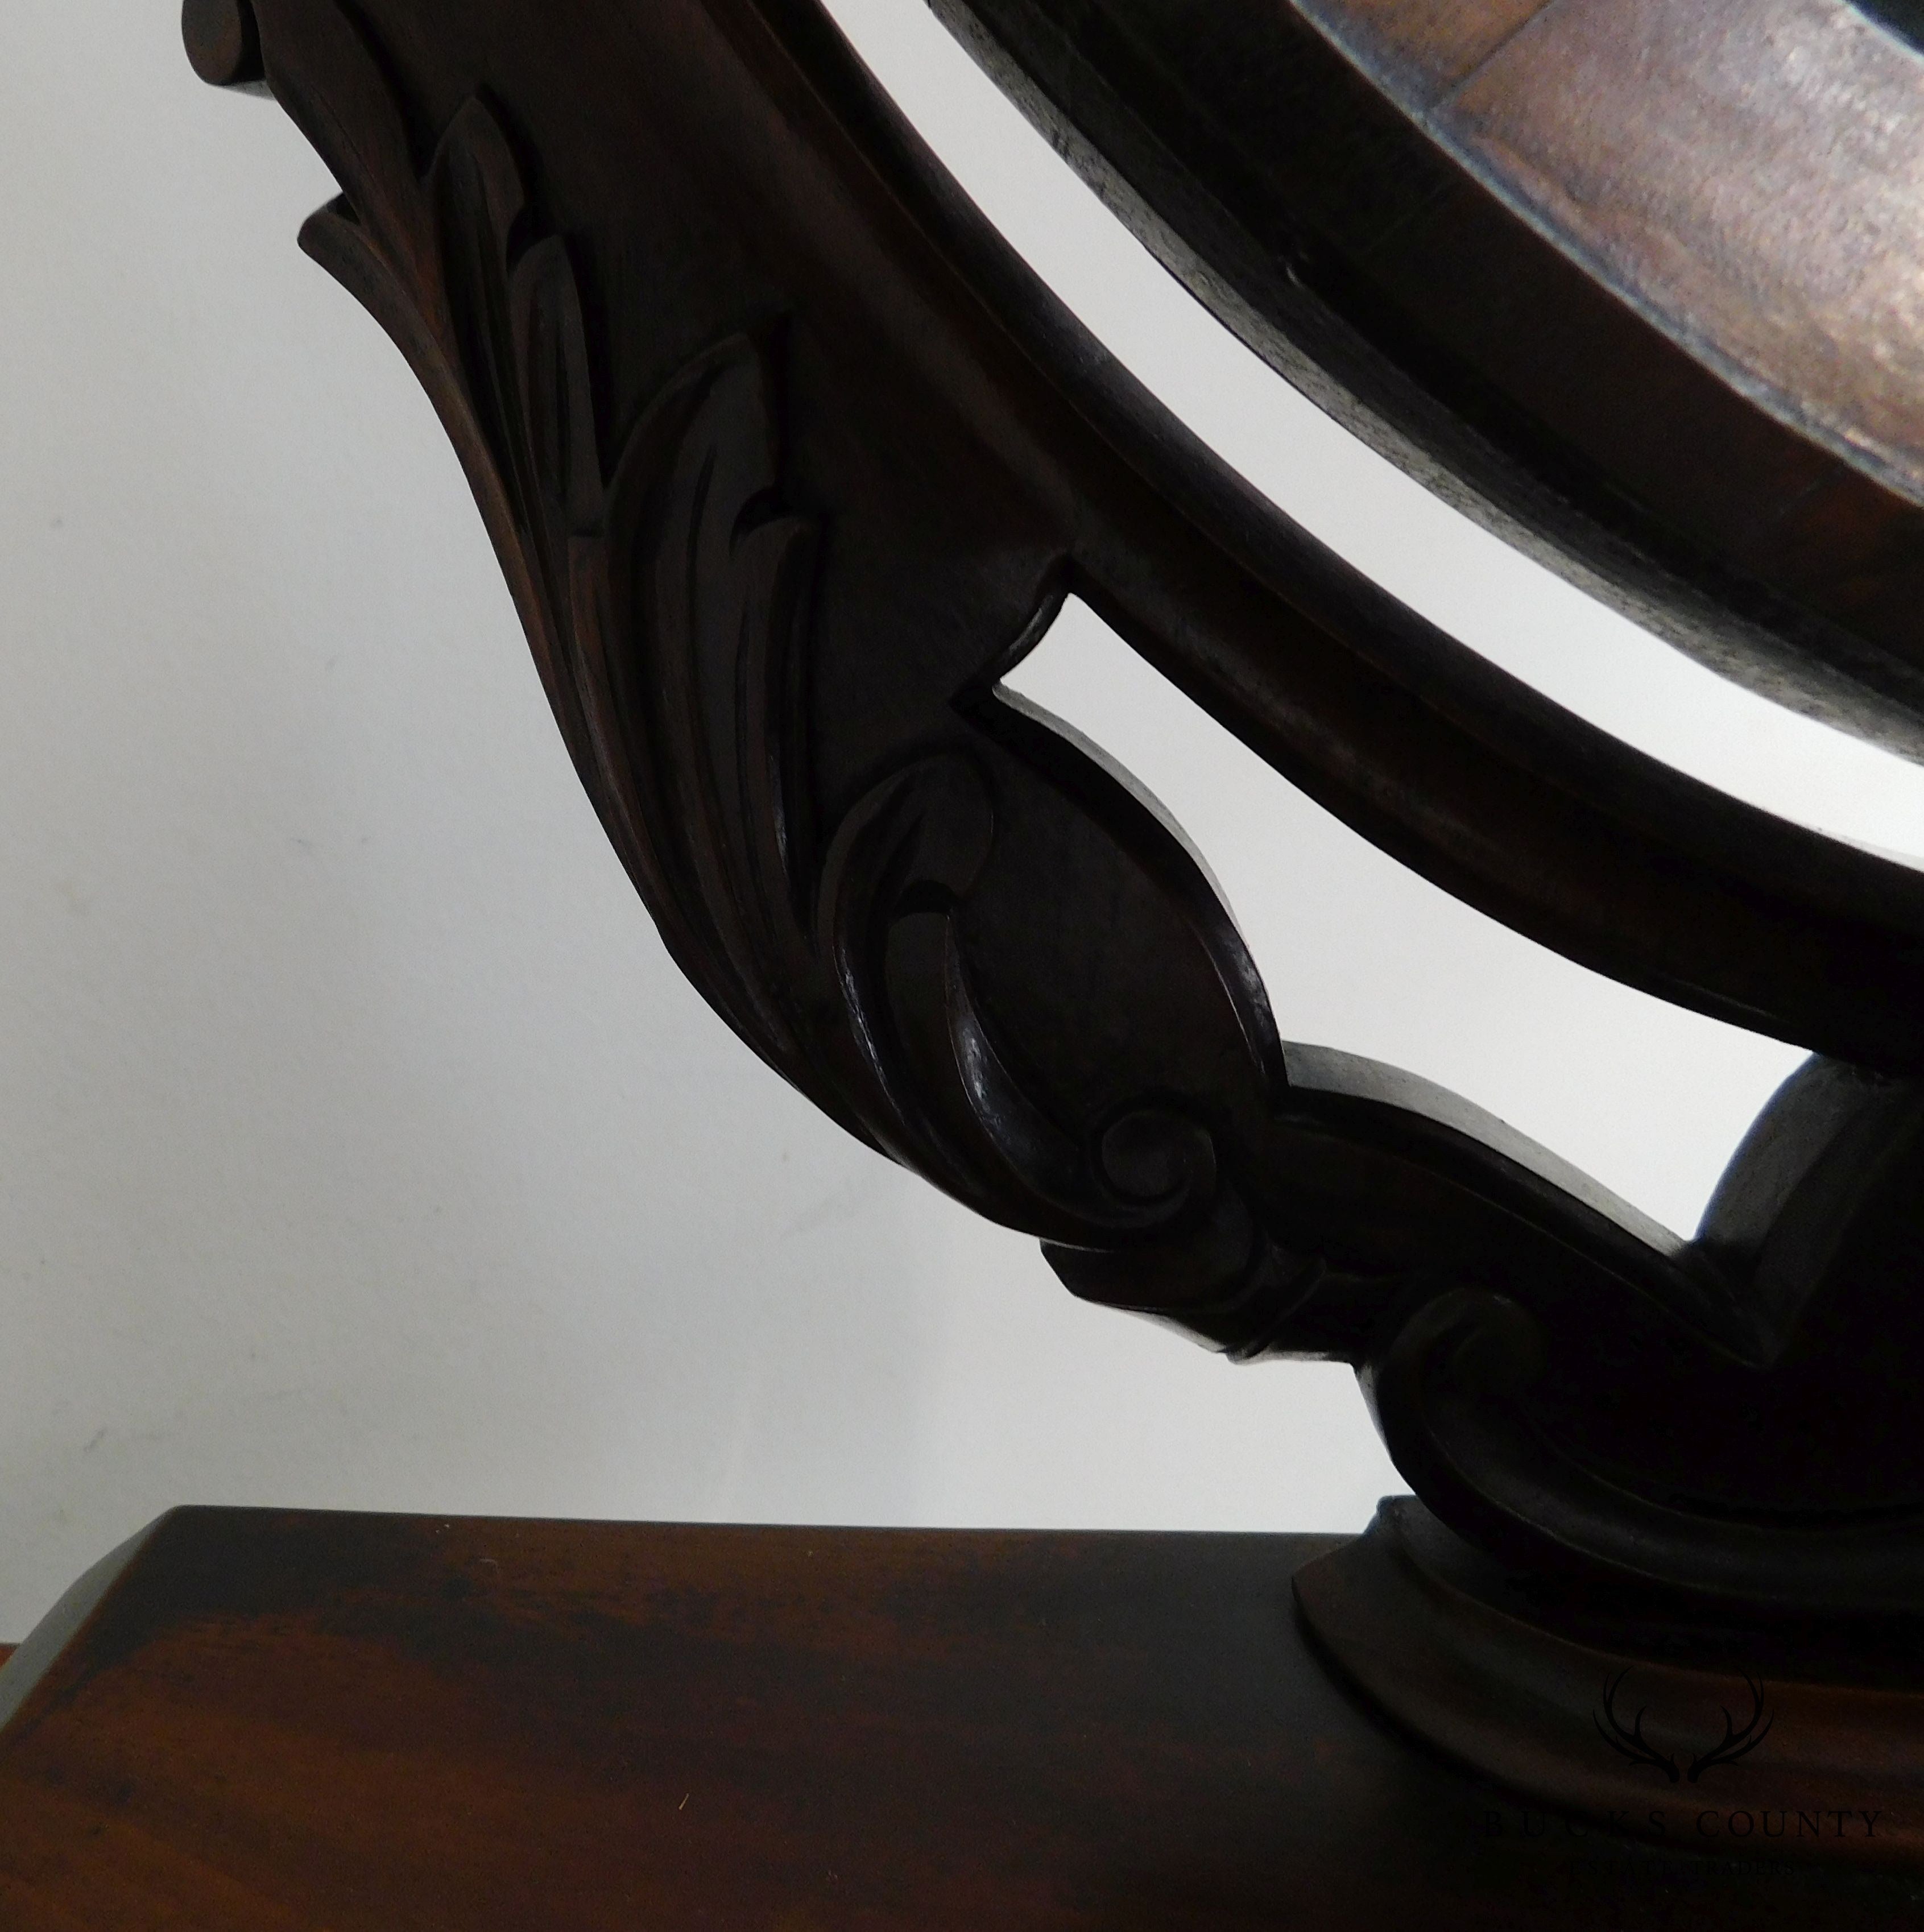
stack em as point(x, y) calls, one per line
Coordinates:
point(302, 1721)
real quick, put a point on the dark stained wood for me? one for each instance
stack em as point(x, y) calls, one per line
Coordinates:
point(788, 460)
point(1747, 177)
point(221, 41)
point(1761, 1739)
point(1632, 281)
point(360, 1723)
point(1067, 477)
point(1436, 44)
point(786, 465)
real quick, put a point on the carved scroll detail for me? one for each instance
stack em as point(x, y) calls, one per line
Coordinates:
point(868, 921)
point(669, 607)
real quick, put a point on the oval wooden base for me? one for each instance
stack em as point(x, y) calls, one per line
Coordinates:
point(1753, 1743)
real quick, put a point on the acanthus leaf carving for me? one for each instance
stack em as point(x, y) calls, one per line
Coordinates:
point(668, 597)
point(672, 585)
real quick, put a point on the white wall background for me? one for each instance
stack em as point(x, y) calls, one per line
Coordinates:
point(358, 1145)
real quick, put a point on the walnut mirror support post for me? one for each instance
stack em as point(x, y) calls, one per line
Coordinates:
point(789, 460)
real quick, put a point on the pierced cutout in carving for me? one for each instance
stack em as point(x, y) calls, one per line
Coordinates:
point(670, 608)
point(1360, 954)
point(770, 583)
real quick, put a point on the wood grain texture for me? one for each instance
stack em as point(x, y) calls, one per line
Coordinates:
point(1429, 45)
point(289, 1722)
point(1626, 281)
point(787, 460)
point(1752, 180)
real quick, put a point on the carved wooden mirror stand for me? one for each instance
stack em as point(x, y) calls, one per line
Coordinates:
point(789, 459)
